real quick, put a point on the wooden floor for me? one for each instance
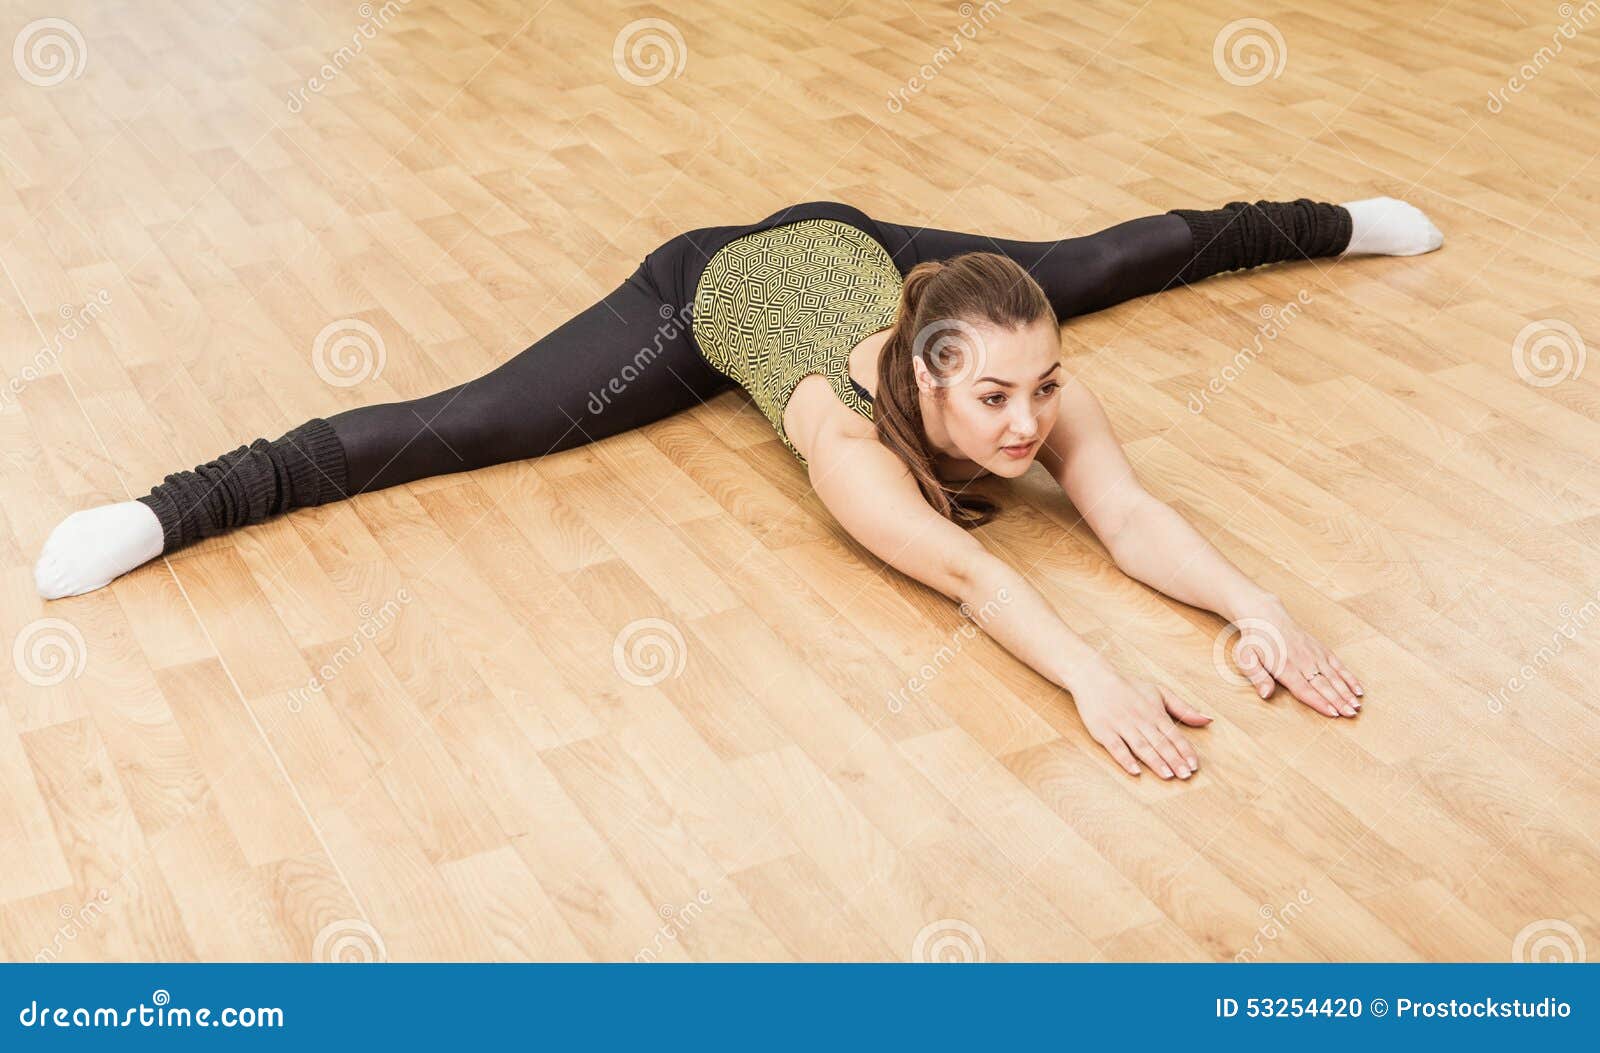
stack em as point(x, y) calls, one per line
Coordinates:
point(644, 699)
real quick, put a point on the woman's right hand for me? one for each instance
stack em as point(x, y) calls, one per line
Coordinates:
point(1130, 718)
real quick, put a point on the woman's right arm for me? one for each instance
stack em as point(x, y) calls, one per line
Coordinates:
point(874, 496)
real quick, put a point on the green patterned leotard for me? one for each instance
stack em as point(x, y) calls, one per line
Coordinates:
point(777, 305)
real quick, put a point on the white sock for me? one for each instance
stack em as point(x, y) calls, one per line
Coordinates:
point(1387, 227)
point(89, 548)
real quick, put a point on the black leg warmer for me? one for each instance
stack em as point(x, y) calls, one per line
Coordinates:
point(305, 467)
point(1243, 235)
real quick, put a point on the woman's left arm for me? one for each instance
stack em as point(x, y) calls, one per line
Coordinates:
point(1153, 543)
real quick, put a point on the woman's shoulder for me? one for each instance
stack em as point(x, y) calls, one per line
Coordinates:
point(815, 406)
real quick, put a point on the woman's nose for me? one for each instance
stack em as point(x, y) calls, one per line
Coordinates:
point(1024, 425)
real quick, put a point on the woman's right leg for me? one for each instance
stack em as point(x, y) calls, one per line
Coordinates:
point(626, 361)
point(1146, 255)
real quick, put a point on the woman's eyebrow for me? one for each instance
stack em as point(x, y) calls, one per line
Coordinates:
point(1008, 384)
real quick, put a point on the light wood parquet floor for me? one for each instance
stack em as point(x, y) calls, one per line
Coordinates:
point(423, 724)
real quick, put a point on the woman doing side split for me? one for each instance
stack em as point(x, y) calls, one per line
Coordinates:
point(894, 322)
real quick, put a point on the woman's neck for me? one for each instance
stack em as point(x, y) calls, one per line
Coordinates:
point(862, 367)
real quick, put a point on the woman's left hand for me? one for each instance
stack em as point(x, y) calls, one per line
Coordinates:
point(1273, 648)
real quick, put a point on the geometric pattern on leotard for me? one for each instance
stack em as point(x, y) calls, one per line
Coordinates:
point(774, 306)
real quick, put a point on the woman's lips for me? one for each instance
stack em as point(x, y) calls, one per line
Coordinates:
point(1018, 451)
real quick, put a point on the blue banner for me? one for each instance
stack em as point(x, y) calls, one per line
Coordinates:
point(798, 1006)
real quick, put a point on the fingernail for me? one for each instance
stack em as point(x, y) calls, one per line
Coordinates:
point(1183, 773)
point(1166, 771)
point(1359, 691)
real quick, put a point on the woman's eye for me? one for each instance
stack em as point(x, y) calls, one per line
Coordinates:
point(996, 395)
point(1050, 388)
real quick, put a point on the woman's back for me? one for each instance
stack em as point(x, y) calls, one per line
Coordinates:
point(780, 304)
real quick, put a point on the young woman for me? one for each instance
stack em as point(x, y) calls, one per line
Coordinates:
point(897, 363)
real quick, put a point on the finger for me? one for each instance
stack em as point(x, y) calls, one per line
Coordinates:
point(1141, 747)
point(1309, 695)
point(1349, 677)
point(1183, 710)
point(1158, 737)
point(1180, 742)
point(1346, 697)
point(1322, 683)
point(1120, 752)
point(1250, 666)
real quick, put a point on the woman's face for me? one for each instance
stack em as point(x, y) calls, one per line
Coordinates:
point(997, 407)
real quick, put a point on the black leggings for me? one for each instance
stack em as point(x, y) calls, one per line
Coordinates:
point(631, 359)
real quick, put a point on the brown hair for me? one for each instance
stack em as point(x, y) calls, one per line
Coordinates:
point(937, 298)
